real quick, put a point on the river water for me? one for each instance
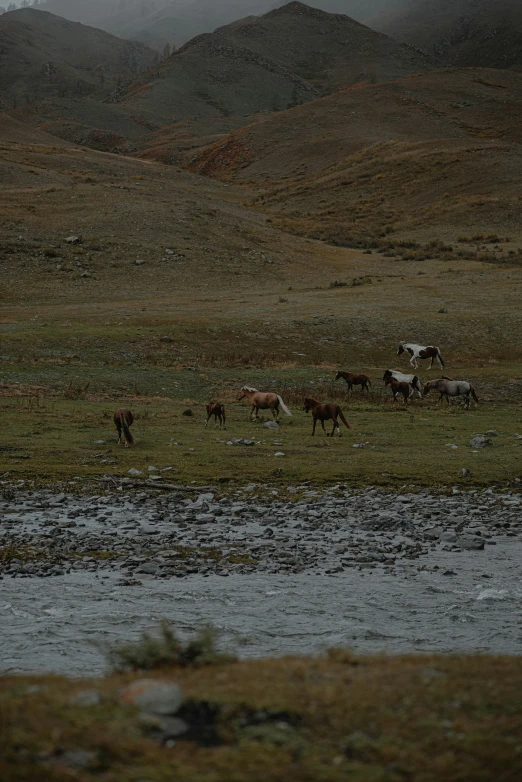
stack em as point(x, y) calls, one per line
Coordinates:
point(471, 603)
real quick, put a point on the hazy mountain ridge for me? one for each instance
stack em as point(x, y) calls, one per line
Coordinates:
point(288, 56)
point(465, 33)
point(42, 55)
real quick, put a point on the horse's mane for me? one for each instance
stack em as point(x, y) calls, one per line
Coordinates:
point(248, 388)
point(312, 401)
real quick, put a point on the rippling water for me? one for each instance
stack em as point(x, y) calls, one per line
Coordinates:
point(59, 624)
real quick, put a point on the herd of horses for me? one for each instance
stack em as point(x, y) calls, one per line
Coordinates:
point(401, 384)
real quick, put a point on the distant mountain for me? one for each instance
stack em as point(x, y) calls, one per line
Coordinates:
point(156, 22)
point(44, 56)
point(463, 32)
point(288, 56)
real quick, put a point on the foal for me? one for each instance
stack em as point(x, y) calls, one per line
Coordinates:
point(123, 419)
point(399, 387)
point(217, 410)
point(355, 380)
point(326, 412)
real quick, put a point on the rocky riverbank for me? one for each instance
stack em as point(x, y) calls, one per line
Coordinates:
point(141, 534)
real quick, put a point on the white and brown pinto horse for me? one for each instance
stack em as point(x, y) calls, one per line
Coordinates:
point(447, 388)
point(263, 400)
point(400, 377)
point(421, 352)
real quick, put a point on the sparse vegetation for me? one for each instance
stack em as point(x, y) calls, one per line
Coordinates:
point(165, 649)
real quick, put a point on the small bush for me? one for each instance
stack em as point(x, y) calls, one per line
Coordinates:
point(166, 649)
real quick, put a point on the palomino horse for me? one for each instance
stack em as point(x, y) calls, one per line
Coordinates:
point(447, 388)
point(124, 419)
point(399, 387)
point(413, 380)
point(217, 410)
point(263, 400)
point(420, 351)
point(326, 412)
point(355, 380)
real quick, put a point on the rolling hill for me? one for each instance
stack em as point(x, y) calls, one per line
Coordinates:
point(288, 56)
point(43, 56)
point(464, 32)
point(438, 154)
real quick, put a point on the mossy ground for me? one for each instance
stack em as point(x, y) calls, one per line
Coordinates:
point(374, 719)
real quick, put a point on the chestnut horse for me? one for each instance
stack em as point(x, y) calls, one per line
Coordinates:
point(325, 412)
point(355, 380)
point(263, 400)
point(124, 419)
point(399, 387)
point(217, 410)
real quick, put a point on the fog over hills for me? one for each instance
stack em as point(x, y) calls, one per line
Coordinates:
point(157, 22)
point(288, 56)
point(464, 32)
point(43, 56)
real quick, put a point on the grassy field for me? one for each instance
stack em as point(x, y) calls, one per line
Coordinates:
point(373, 719)
point(53, 438)
point(84, 330)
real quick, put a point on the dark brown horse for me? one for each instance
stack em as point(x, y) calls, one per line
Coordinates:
point(124, 419)
point(399, 387)
point(355, 380)
point(217, 410)
point(325, 412)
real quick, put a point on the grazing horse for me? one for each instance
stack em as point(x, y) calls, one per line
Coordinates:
point(123, 419)
point(355, 380)
point(263, 400)
point(420, 352)
point(326, 412)
point(399, 387)
point(447, 388)
point(217, 410)
point(413, 380)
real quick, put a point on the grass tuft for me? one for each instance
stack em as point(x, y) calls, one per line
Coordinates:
point(166, 650)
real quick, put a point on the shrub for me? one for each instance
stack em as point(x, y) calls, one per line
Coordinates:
point(166, 649)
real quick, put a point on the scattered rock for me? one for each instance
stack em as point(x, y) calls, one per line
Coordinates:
point(79, 758)
point(153, 696)
point(271, 425)
point(139, 262)
point(480, 441)
point(188, 412)
point(86, 274)
point(72, 240)
point(470, 543)
point(134, 471)
point(279, 453)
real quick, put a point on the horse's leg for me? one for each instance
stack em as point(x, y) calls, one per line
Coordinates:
point(275, 413)
point(253, 412)
point(322, 424)
point(118, 427)
point(315, 421)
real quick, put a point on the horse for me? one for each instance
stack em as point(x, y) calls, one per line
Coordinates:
point(421, 352)
point(447, 388)
point(217, 410)
point(325, 412)
point(413, 380)
point(399, 387)
point(263, 400)
point(124, 419)
point(355, 380)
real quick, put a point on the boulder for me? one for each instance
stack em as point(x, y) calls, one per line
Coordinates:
point(153, 696)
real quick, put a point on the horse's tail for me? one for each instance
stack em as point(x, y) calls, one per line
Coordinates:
point(440, 358)
point(474, 394)
point(126, 431)
point(285, 409)
point(343, 419)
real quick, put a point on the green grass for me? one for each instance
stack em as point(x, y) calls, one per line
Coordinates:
point(371, 719)
point(56, 439)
